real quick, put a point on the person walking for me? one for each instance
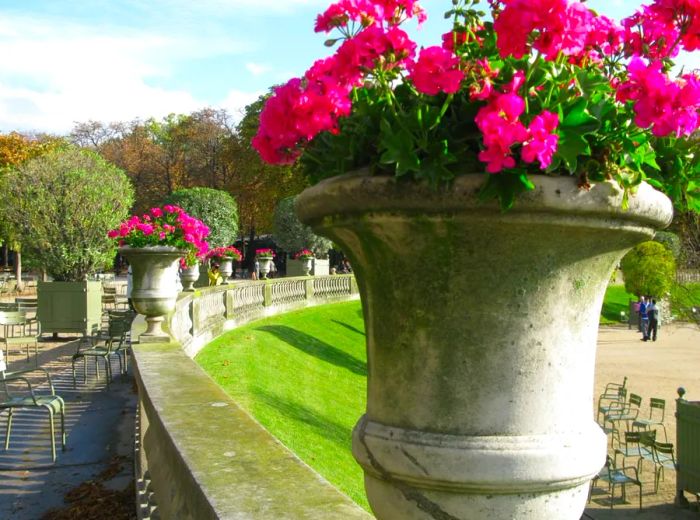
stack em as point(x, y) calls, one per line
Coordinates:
point(643, 318)
point(653, 318)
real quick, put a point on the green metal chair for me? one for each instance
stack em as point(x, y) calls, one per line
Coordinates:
point(20, 331)
point(613, 393)
point(615, 476)
point(113, 340)
point(27, 304)
point(637, 445)
point(657, 411)
point(16, 392)
point(663, 458)
point(628, 413)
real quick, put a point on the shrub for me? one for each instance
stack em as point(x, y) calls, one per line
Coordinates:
point(61, 205)
point(649, 269)
point(216, 208)
point(670, 240)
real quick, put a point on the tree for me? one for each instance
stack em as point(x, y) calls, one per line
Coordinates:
point(649, 269)
point(62, 204)
point(292, 235)
point(16, 149)
point(216, 208)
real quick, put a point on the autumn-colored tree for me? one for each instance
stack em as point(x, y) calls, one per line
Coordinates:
point(15, 150)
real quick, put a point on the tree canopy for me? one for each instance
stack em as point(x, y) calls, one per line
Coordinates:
point(649, 269)
point(61, 205)
point(292, 235)
point(216, 208)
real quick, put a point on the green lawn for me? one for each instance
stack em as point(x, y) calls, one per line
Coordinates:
point(302, 375)
point(616, 300)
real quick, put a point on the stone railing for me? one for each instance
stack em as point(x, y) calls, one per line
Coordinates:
point(200, 456)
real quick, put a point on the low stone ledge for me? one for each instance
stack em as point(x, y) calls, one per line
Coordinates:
point(209, 459)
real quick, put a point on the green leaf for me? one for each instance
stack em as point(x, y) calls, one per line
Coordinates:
point(399, 149)
point(572, 144)
point(580, 118)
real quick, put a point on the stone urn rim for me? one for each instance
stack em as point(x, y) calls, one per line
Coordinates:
point(359, 192)
point(152, 249)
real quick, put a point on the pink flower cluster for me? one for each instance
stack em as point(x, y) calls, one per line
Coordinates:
point(166, 226)
point(518, 122)
point(227, 251)
point(368, 13)
point(304, 254)
point(305, 107)
point(265, 253)
point(668, 107)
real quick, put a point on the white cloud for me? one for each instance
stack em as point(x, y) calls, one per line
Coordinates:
point(236, 101)
point(257, 69)
point(56, 72)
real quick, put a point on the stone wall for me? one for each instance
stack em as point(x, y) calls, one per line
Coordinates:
point(200, 456)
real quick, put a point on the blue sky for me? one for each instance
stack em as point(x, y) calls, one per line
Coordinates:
point(115, 60)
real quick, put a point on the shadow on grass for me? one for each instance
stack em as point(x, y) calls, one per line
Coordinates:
point(317, 348)
point(349, 327)
point(321, 424)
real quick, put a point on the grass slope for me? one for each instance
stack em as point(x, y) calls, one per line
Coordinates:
point(302, 375)
point(616, 300)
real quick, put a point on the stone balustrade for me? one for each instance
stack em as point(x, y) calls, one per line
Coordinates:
point(199, 455)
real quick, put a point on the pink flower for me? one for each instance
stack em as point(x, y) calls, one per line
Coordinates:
point(157, 212)
point(436, 70)
point(500, 125)
point(541, 142)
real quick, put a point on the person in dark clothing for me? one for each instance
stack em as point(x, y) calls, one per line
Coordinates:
point(653, 316)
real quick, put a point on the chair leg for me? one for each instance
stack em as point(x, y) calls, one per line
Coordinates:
point(53, 436)
point(73, 370)
point(62, 411)
point(9, 430)
point(36, 354)
point(612, 494)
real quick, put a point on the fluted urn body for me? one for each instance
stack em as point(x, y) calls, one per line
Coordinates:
point(481, 333)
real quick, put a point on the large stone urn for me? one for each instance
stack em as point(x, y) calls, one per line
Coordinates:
point(189, 275)
point(264, 262)
point(480, 367)
point(154, 291)
point(306, 265)
point(226, 268)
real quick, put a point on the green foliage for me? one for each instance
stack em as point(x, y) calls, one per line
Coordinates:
point(291, 235)
point(216, 208)
point(302, 375)
point(649, 269)
point(61, 205)
point(670, 240)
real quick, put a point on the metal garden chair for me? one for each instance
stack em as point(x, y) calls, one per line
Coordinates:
point(613, 393)
point(628, 412)
point(657, 411)
point(663, 458)
point(20, 331)
point(615, 476)
point(17, 392)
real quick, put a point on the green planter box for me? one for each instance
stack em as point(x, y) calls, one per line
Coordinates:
point(74, 307)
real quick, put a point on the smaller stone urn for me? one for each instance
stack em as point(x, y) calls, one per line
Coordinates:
point(306, 264)
point(154, 291)
point(264, 262)
point(189, 275)
point(226, 268)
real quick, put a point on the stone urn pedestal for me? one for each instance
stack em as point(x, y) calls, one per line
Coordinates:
point(189, 276)
point(306, 264)
point(264, 262)
point(480, 369)
point(154, 287)
point(226, 268)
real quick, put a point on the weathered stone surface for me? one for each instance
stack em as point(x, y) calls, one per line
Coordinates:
point(481, 338)
point(207, 458)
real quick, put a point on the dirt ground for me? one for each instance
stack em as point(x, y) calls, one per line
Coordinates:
point(653, 369)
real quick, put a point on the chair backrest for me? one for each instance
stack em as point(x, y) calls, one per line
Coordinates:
point(12, 318)
point(635, 400)
point(647, 438)
point(664, 448)
point(8, 306)
point(657, 407)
